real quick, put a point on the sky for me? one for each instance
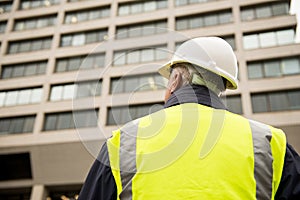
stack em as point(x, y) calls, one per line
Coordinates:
point(295, 9)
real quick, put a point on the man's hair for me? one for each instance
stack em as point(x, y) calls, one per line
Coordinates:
point(188, 71)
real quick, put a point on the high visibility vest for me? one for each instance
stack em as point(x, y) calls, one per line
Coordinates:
point(196, 152)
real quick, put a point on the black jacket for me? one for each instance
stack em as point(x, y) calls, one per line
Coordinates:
point(100, 183)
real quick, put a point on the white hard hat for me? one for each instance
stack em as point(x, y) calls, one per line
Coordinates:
point(211, 53)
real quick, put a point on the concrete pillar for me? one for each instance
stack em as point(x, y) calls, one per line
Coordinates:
point(38, 192)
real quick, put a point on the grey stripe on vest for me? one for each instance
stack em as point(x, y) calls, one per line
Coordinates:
point(128, 158)
point(263, 160)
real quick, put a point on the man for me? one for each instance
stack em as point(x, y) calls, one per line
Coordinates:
point(194, 148)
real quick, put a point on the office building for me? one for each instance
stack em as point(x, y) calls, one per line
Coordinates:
point(72, 71)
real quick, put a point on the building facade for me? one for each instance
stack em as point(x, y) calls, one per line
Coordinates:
point(72, 71)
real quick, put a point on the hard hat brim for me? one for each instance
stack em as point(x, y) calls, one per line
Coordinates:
point(166, 68)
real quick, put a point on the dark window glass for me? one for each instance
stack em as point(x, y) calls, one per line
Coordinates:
point(234, 104)
point(29, 4)
point(206, 19)
point(15, 194)
point(274, 68)
point(6, 72)
point(140, 55)
point(255, 70)
point(266, 10)
point(80, 62)
point(2, 26)
point(40, 22)
point(84, 15)
point(28, 46)
point(70, 120)
point(50, 122)
point(259, 103)
point(141, 6)
point(144, 29)
point(78, 39)
point(64, 121)
point(276, 101)
point(294, 99)
point(25, 69)
point(15, 167)
point(5, 6)
point(137, 83)
point(16, 125)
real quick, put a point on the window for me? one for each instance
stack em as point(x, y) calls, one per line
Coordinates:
point(269, 39)
point(78, 39)
point(123, 114)
point(255, 70)
point(285, 36)
point(35, 23)
point(66, 192)
point(234, 104)
point(142, 6)
point(5, 6)
point(203, 20)
point(251, 41)
point(2, 27)
point(141, 29)
point(20, 97)
point(274, 68)
point(29, 45)
point(85, 15)
point(76, 0)
point(80, 62)
point(290, 66)
point(264, 11)
point(29, 4)
point(15, 193)
point(15, 167)
point(276, 101)
point(140, 55)
point(186, 2)
point(23, 70)
point(12, 125)
point(259, 103)
point(70, 120)
point(137, 83)
point(75, 90)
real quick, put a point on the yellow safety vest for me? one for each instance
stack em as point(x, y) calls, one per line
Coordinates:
point(191, 151)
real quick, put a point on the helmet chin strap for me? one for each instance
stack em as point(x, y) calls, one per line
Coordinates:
point(196, 79)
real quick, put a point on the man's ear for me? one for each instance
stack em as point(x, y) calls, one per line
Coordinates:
point(176, 82)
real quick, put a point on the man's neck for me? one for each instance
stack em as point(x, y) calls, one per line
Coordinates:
point(195, 94)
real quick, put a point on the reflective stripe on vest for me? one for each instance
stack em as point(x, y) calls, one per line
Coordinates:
point(263, 159)
point(128, 158)
point(124, 159)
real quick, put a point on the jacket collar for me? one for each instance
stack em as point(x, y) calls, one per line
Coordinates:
point(195, 94)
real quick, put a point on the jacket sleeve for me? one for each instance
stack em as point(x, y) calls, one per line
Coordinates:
point(289, 187)
point(100, 183)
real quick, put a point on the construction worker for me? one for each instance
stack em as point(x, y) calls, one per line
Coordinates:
point(194, 148)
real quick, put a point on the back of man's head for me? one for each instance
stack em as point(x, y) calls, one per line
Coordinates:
point(195, 75)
